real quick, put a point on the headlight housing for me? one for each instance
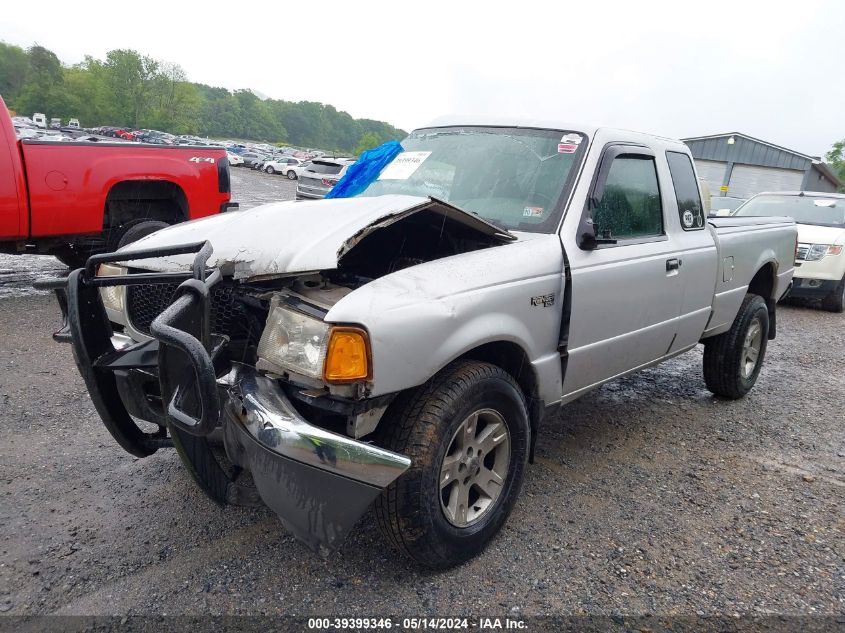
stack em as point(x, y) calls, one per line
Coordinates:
point(298, 343)
point(292, 341)
point(819, 251)
point(113, 297)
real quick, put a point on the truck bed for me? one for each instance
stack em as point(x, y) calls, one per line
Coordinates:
point(738, 240)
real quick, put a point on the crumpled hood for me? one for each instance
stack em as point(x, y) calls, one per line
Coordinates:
point(293, 237)
point(812, 234)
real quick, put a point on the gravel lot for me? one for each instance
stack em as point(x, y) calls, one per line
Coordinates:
point(647, 496)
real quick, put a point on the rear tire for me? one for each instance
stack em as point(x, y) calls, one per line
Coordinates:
point(835, 301)
point(291, 174)
point(732, 360)
point(467, 433)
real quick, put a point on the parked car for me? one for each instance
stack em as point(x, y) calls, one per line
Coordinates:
point(39, 119)
point(73, 124)
point(23, 121)
point(252, 159)
point(722, 206)
point(819, 261)
point(55, 124)
point(74, 199)
point(320, 176)
point(403, 346)
point(289, 167)
point(27, 132)
point(234, 159)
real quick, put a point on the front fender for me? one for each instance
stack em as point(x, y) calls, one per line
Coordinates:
point(421, 318)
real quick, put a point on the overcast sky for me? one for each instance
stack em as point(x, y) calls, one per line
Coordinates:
point(769, 69)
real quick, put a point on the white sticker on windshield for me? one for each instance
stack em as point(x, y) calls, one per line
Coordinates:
point(571, 138)
point(404, 165)
point(825, 203)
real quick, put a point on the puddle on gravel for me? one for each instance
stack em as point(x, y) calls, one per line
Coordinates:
point(18, 272)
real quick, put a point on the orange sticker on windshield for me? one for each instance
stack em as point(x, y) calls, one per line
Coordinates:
point(566, 148)
point(532, 212)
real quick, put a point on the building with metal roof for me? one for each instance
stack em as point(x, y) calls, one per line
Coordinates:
point(738, 165)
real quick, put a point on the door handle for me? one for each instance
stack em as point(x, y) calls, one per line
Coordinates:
point(673, 264)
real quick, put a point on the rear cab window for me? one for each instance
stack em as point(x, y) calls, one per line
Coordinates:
point(690, 209)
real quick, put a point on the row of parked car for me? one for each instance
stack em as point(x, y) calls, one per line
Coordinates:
point(316, 172)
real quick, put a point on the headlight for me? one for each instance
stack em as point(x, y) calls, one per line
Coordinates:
point(818, 251)
point(293, 341)
point(296, 342)
point(113, 296)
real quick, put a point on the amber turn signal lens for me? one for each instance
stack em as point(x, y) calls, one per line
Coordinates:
point(347, 358)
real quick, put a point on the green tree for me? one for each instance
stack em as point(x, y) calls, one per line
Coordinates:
point(368, 140)
point(836, 159)
point(128, 88)
point(44, 78)
point(14, 64)
point(130, 76)
point(174, 102)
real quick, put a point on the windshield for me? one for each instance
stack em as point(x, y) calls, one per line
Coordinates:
point(512, 177)
point(803, 209)
point(721, 202)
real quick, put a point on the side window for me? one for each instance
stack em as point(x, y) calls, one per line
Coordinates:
point(690, 208)
point(630, 205)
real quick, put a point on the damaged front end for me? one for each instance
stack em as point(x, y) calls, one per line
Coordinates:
point(191, 365)
point(319, 482)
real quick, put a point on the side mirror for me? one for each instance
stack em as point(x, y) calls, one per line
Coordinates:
point(587, 238)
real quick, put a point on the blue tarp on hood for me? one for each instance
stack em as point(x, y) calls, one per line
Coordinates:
point(365, 170)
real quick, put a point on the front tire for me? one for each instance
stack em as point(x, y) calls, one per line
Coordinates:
point(467, 434)
point(835, 301)
point(732, 360)
point(291, 174)
point(270, 170)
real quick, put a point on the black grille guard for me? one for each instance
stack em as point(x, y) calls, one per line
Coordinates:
point(317, 481)
point(182, 332)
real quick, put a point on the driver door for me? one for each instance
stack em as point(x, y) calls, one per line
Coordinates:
point(625, 291)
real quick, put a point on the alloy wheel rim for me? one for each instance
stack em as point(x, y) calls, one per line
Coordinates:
point(751, 348)
point(475, 468)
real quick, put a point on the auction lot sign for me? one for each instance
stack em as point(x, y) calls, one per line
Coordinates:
point(488, 623)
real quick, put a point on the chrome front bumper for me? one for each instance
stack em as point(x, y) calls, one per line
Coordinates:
point(318, 482)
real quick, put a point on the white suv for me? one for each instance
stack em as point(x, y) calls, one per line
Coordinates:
point(819, 260)
point(320, 177)
point(288, 166)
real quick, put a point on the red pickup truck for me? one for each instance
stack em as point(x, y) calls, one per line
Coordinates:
point(72, 199)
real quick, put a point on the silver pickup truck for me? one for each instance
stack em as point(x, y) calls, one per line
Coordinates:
point(402, 347)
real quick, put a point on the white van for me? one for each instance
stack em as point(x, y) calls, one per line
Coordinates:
point(40, 120)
